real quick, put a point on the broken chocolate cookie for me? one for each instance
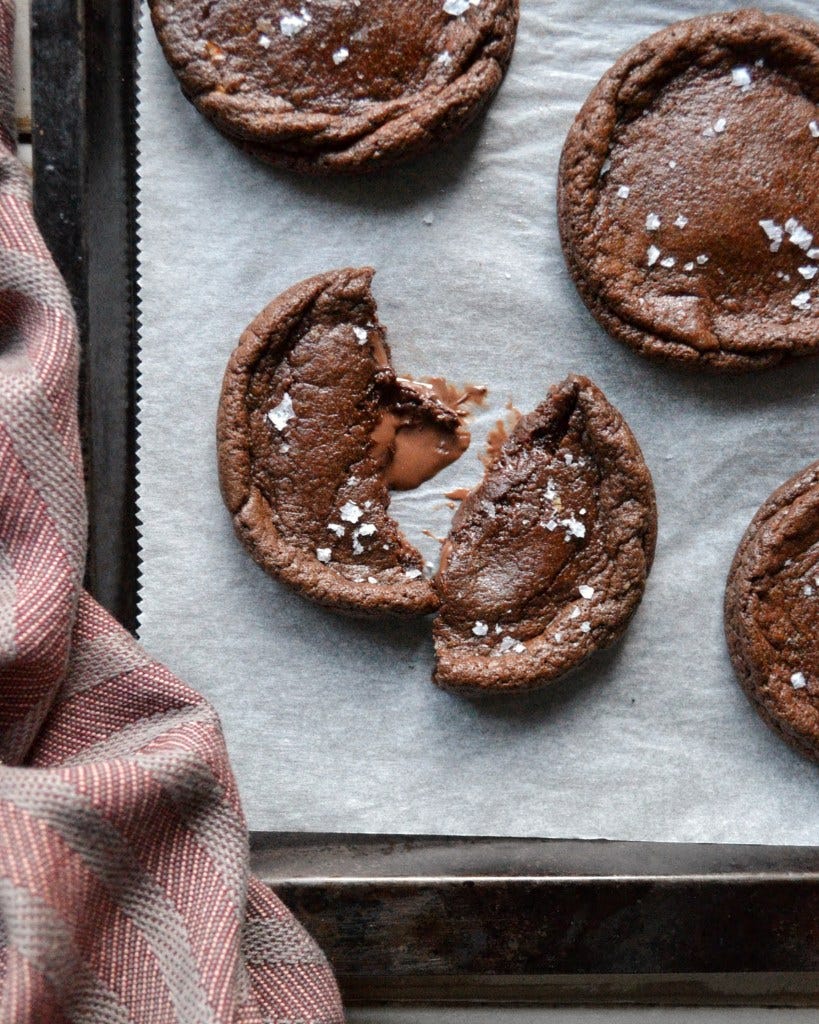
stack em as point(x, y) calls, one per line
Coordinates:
point(688, 194)
point(324, 86)
point(314, 426)
point(547, 559)
point(772, 611)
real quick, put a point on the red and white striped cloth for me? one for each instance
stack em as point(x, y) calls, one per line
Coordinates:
point(124, 887)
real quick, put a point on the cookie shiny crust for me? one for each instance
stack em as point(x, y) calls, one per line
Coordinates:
point(688, 194)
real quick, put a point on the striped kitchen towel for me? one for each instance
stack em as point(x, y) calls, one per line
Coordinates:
point(124, 886)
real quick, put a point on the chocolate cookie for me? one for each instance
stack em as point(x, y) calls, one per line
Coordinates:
point(547, 559)
point(772, 611)
point(324, 85)
point(313, 428)
point(688, 197)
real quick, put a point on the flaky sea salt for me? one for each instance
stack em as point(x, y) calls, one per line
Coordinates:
point(652, 255)
point(798, 681)
point(585, 627)
point(350, 512)
point(808, 272)
point(813, 128)
point(413, 574)
point(508, 643)
point(366, 530)
point(667, 261)
point(680, 222)
point(324, 555)
point(337, 529)
point(360, 335)
point(720, 125)
point(799, 236)
point(623, 192)
point(281, 414)
point(652, 222)
point(774, 233)
point(458, 7)
point(688, 266)
point(741, 77)
point(341, 54)
point(574, 613)
point(292, 24)
point(586, 591)
point(702, 259)
point(574, 528)
point(801, 301)
point(480, 628)
point(264, 41)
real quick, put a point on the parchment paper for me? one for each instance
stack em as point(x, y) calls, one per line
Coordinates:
point(333, 724)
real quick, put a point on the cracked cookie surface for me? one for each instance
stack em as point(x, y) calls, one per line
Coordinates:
point(772, 611)
point(308, 419)
point(328, 86)
point(688, 195)
point(547, 558)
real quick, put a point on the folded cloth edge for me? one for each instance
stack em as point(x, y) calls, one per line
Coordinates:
point(125, 892)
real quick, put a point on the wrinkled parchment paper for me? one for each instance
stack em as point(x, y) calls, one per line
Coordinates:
point(333, 724)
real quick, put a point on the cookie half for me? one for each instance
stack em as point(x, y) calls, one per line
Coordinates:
point(548, 557)
point(312, 421)
point(688, 195)
point(772, 611)
point(323, 86)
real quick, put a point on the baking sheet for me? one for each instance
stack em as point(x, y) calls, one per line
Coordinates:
point(332, 724)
